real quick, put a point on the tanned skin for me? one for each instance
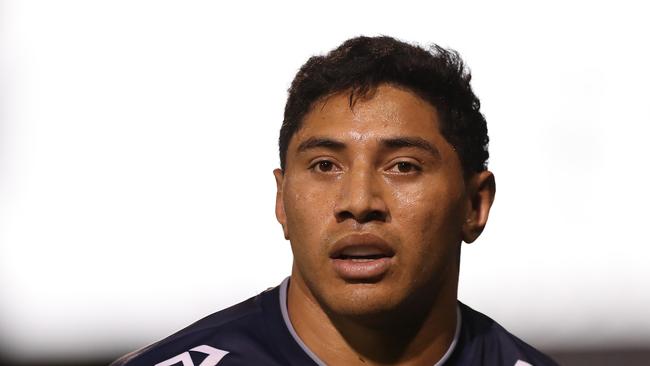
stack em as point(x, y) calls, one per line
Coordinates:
point(377, 179)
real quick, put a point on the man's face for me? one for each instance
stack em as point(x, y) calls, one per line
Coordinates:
point(373, 201)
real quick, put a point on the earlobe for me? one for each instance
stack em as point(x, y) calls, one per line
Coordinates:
point(481, 189)
point(279, 202)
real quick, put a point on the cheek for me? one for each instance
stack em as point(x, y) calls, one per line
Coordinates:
point(430, 235)
point(421, 204)
point(308, 210)
point(429, 216)
point(305, 204)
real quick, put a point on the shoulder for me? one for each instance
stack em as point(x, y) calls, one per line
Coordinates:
point(238, 328)
point(484, 342)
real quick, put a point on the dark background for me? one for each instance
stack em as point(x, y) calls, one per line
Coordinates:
point(585, 357)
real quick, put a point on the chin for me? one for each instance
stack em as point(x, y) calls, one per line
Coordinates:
point(381, 304)
point(363, 302)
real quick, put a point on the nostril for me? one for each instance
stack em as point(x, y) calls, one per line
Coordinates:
point(367, 216)
point(375, 216)
point(344, 215)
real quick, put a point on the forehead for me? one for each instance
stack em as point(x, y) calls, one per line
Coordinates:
point(387, 110)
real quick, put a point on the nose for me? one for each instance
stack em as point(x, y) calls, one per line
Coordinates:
point(361, 198)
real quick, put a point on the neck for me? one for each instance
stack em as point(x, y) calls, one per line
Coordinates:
point(420, 333)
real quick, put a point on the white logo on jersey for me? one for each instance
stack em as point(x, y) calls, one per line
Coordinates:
point(522, 363)
point(214, 356)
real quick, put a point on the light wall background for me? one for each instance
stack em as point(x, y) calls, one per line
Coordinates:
point(137, 141)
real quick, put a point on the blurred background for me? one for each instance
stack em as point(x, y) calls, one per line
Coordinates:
point(138, 139)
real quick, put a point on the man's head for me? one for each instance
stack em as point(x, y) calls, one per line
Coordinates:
point(383, 152)
point(360, 64)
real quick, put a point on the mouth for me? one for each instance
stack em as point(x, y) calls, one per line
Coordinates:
point(361, 258)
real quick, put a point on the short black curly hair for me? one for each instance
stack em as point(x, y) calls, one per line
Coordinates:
point(360, 64)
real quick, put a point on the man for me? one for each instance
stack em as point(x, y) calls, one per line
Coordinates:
point(383, 174)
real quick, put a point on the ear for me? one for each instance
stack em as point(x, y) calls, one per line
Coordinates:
point(481, 189)
point(279, 202)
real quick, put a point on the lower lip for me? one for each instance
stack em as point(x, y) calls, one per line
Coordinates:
point(360, 270)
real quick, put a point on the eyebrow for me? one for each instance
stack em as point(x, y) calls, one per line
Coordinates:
point(389, 143)
point(416, 142)
point(316, 142)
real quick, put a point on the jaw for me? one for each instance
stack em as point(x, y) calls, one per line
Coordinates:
point(381, 322)
point(392, 298)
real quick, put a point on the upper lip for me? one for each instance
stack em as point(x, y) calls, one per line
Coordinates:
point(361, 245)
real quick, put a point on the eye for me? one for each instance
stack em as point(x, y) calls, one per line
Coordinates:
point(405, 167)
point(323, 166)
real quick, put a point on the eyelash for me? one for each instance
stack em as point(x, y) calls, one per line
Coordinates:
point(412, 167)
point(315, 166)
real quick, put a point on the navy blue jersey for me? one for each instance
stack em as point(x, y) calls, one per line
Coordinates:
point(258, 332)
